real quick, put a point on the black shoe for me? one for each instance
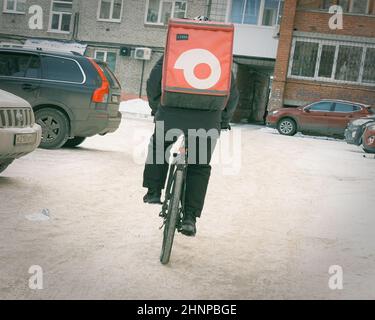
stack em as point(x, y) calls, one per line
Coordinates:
point(188, 226)
point(152, 197)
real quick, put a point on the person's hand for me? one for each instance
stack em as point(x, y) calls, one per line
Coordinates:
point(225, 126)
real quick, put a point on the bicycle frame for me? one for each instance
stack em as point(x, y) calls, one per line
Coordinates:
point(179, 163)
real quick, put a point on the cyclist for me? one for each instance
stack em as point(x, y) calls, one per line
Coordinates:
point(198, 172)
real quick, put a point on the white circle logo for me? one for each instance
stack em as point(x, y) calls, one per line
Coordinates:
point(192, 58)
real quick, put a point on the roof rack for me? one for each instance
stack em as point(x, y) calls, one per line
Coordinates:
point(28, 47)
point(18, 46)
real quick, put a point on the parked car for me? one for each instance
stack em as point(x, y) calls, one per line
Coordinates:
point(19, 134)
point(368, 139)
point(356, 128)
point(325, 117)
point(73, 96)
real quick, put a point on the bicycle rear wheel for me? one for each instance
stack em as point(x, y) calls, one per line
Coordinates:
point(172, 217)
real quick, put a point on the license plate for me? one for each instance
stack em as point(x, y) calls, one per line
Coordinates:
point(29, 138)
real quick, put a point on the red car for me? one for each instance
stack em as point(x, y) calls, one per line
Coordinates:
point(368, 139)
point(325, 117)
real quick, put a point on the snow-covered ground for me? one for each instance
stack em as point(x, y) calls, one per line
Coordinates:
point(136, 108)
point(297, 206)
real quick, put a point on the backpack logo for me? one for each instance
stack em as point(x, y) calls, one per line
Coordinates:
point(191, 59)
point(181, 36)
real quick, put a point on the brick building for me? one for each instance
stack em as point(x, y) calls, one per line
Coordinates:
point(316, 60)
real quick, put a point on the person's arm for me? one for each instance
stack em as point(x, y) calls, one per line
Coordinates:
point(227, 114)
point(154, 86)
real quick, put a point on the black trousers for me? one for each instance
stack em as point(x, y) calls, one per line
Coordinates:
point(198, 171)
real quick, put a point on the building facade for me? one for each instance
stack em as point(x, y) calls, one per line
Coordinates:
point(325, 54)
point(113, 29)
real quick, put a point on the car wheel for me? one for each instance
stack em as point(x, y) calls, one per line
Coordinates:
point(4, 164)
point(287, 126)
point(55, 128)
point(76, 141)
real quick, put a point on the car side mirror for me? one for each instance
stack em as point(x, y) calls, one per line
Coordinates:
point(307, 110)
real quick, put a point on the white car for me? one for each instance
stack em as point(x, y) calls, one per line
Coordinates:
point(19, 134)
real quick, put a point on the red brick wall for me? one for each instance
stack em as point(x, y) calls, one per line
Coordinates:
point(283, 52)
point(354, 25)
point(301, 90)
point(309, 91)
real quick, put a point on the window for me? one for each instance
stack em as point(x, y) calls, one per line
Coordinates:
point(160, 11)
point(315, 4)
point(61, 15)
point(109, 57)
point(113, 81)
point(61, 69)
point(348, 63)
point(321, 106)
point(359, 6)
point(349, 6)
point(256, 12)
point(270, 12)
point(333, 61)
point(356, 6)
point(15, 6)
point(110, 10)
point(369, 67)
point(344, 107)
point(304, 60)
point(19, 65)
point(326, 61)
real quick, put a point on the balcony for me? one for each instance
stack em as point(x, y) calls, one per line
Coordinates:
point(256, 25)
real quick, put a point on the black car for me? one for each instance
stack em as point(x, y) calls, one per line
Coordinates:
point(356, 128)
point(73, 96)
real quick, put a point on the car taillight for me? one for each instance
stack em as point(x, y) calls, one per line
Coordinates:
point(100, 95)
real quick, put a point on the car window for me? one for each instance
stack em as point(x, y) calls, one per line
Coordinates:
point(61, 69)
point(343, 107)
point(321, 106)
point(19, 65)
point(114, 83)
point(357, 108)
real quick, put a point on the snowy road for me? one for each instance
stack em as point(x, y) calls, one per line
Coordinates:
point(298, 206)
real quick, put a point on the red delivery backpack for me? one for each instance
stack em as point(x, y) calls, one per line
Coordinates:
point(197, 65)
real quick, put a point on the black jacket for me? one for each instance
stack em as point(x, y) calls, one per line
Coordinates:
point(175, 117)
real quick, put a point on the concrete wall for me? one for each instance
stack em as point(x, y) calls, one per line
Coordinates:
point(18, 24)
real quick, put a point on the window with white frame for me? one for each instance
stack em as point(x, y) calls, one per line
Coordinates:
point(107, 56)
point(61, 15)
point(355, 6)
point(348, 6)
point(160, 11)
point(333, 61)
point(256, 12)
point(14, 6)
point(110, 10)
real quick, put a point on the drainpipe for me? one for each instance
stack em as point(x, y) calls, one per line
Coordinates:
point(209, 6)
point(75, 26)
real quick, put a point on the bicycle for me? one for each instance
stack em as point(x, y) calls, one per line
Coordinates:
point(174, 202)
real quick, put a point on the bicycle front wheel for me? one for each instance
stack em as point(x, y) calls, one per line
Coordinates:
point(172, 216)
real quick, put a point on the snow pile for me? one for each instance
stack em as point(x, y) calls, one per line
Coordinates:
point(137, 107)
